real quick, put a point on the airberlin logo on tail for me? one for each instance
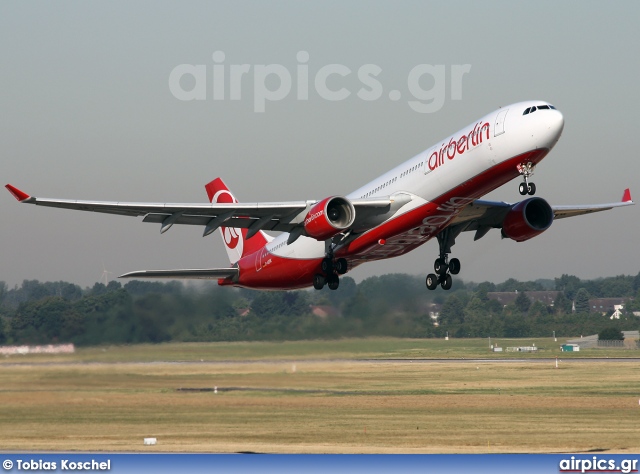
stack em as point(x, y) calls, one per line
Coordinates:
point(453, 148)
point(232, 237)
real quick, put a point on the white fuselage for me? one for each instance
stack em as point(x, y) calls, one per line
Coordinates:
point(458, 159)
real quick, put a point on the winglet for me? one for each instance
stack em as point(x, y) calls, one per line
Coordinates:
point(626, 197)
point(19, 195)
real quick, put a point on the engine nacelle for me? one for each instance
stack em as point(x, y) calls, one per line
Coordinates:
point(328, 217)
point(527, 219)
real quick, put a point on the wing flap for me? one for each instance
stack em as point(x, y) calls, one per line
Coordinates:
point(481, 215)
point(560, 212)
point(371, 212)
point(276, 216)
point(282, 215)
point(141, 208)
point(200, 273)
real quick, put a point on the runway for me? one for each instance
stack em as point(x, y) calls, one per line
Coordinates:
point(536, 360)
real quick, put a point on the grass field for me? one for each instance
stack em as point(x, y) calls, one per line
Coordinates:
point(320, 397)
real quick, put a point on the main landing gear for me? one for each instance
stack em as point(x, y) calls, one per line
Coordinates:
point(526, 170)
point(331, 269)
point(443, 270)
point(444, 267)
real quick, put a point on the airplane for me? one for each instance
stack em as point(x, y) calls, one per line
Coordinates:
point(435, 194)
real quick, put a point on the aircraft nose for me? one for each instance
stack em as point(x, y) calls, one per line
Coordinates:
point(557, 122)
point(553, 126)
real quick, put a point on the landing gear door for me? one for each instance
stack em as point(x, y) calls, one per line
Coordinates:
point(499, 127)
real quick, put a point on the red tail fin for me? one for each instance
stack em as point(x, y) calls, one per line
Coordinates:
point(235, 240)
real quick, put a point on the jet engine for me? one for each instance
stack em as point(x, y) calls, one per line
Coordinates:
point(328, 217)
point(527, 219)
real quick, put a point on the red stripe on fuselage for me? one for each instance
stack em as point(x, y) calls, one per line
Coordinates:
point(401, 234)
point(412, 229)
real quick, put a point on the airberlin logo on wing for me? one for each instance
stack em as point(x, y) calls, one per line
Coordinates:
point(458, 147)
point(231, 236)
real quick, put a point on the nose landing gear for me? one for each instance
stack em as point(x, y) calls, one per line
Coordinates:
point(526, 170)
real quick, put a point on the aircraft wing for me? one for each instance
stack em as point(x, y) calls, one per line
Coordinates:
point(276, 216)
point(481, 216)
point(204, 273)
point(561, 212)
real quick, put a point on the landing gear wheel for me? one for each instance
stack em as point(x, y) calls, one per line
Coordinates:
point(531, 189)
point(440, 266)
point(526, 171)
point(432, 281)
point(444, 267)
point(333, 282)
point(454, 266)
point(524, 189)
point(327, 265)
point(319, 281)
point(341, 266)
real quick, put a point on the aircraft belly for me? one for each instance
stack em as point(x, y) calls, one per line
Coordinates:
point(408, 231)
point(268, 271)
point(304, 248)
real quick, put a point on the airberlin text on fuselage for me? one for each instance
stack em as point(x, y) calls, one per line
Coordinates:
point(472, 139)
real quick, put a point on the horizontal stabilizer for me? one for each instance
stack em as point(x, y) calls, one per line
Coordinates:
point(200, 273)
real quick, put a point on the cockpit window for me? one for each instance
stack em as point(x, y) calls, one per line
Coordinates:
point(531, 110)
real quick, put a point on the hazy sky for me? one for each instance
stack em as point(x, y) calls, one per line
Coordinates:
point(87, 113)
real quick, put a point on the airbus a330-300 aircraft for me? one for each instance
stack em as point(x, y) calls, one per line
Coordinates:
point(434, 194)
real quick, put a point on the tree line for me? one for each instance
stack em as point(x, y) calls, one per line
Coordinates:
point(387, 305)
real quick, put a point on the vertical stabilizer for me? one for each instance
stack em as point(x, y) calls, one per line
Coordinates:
point(235, 239)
